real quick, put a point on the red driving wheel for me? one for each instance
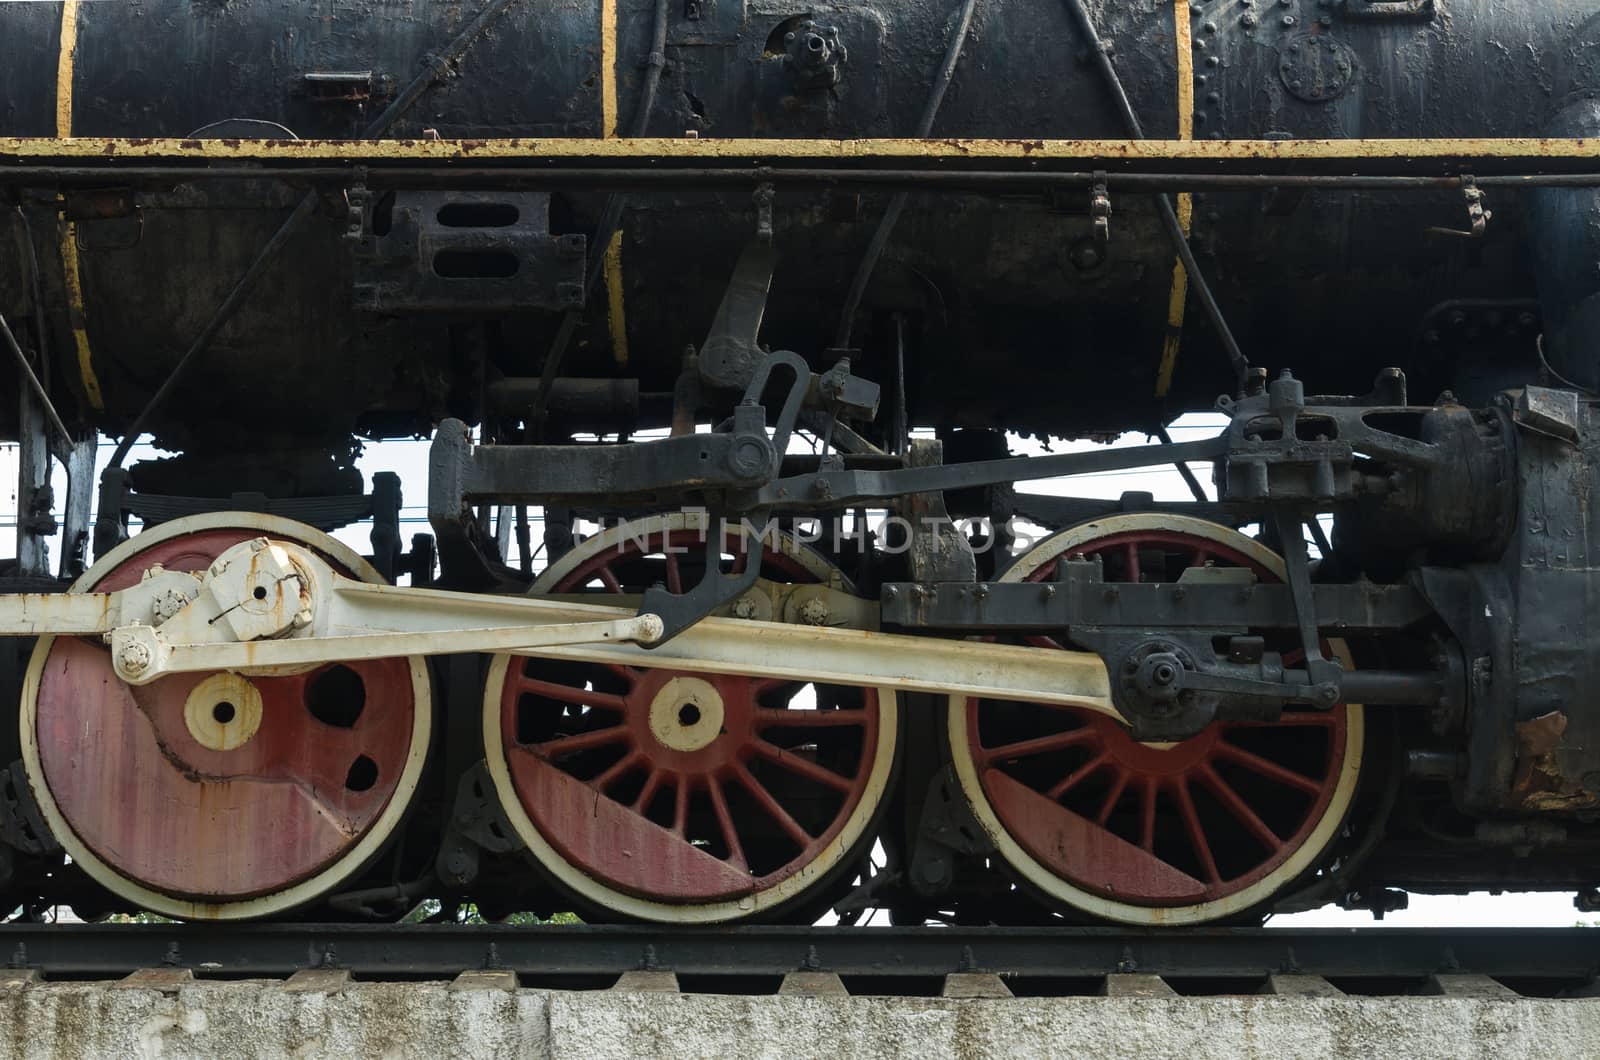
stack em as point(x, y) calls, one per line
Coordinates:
point(215, 795)
point(1155, 833)
point(669, 795)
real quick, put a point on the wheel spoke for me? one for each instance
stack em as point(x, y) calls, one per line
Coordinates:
point(563, 746)
point(774, 809)
point(1239, 808)
point(569, 694)
point(652, 784)
point(674, 573)
point(1037, 746)
point(1197, 835)
point(1267, 768)
point(1072, 779)
point(1147, 823)
point(804, 767)
point(615, 771)
point(627, 673)
point(1303, 718)
point(777, 717)
point(1135, 575)
point(730, 834)
point(609, 579)
point(1118, 786)
point(680, 805)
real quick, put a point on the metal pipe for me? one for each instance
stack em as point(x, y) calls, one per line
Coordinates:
point(1169, 215)
point(607, 400)
point(1183, 469)
point(741, 175)
point(897, 204)
point(33, 381)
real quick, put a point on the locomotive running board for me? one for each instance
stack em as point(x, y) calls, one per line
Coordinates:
point(265, 606)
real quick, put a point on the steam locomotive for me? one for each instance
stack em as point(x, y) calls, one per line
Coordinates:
point(764, 293)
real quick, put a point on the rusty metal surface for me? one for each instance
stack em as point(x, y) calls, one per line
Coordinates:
point(1060, 152)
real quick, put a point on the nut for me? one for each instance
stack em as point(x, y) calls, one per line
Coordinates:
point(813, 612)
point(134, 658)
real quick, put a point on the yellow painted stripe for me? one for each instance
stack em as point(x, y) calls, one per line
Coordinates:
point(1089, 154)
point(79, 317)
point(66, 58)
point(1178, 294)
point(616, 308)
point(608, 68)
point(1180, 21)
point(66, 61)
point(616, 313)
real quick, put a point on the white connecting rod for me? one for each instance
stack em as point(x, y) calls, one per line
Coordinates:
point(266, 606)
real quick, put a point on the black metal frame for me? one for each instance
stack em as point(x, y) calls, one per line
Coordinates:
point(402, 951)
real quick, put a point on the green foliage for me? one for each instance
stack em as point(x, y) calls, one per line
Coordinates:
point(467, 913)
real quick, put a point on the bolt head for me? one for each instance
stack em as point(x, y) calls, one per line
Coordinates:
point(134, 658)
point(813, 612)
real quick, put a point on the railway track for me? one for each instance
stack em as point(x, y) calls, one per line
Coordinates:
point(912, 961)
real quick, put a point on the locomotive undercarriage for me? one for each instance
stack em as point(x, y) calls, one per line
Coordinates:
point(725, 707)
point(1070, 755)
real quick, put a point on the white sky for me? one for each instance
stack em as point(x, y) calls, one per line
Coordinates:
point(409, 460)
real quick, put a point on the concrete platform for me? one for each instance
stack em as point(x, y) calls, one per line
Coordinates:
point(427, 1020)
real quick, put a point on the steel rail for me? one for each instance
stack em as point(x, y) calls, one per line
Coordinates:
point(413, 951)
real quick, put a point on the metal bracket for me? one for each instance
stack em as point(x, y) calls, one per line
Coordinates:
point(476, 824)
point(679, 611)
point(1100, 207)
point(1478, 214)
point(945, 828)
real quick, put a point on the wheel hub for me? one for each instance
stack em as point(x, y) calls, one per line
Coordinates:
point(222, 712)
point(685, 713)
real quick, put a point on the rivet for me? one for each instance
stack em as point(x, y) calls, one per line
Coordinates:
point(1250, 19)
point(1288, 20)
point(1210, 27)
